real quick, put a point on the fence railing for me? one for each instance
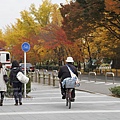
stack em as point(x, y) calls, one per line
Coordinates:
point(109, 73)
point(94, 73)
point(45, 77)
point(51, 77)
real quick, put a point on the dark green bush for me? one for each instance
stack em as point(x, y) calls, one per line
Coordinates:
point(115, 91)
point(48, 67)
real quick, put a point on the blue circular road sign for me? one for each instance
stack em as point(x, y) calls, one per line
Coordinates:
point(25, 46)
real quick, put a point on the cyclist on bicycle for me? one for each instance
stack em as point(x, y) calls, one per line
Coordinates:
point(65, 73)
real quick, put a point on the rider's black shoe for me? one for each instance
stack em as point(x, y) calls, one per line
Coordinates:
point(63, 97)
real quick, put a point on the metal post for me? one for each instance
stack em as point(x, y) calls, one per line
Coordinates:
point(92, 73)
point(25, 73)
point(109, 74)
point(80, 75)
point(39, 77)
point(53, 80)
point(43, 78)
point(49, 79)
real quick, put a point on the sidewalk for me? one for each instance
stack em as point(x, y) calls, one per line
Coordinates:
point(45, 103)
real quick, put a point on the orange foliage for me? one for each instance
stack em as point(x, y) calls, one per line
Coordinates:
point(2, 44)
point(55, 37)
point(17, 52)
point(113, 6)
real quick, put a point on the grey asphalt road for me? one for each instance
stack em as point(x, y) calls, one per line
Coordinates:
point(45, 103)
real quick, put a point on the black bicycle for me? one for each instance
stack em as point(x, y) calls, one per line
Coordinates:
point(69, 85)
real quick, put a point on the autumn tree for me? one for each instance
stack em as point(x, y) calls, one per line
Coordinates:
point(56, 17)
point(28, 29)
point(80, 19)
point(55, 42)
point(43, 13)
point(41, 28)
point(2, 43)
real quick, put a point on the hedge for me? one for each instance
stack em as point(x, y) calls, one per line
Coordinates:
point(115, 91)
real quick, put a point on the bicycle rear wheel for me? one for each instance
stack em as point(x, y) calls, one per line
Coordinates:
point(68, 98)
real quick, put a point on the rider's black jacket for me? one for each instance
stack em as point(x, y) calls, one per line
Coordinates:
point(64, 72)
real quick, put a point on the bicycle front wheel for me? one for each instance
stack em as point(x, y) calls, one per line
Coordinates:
point(66, 101)
point(69, 101)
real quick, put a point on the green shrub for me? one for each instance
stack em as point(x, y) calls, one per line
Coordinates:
point(28, 86)
point(48, 67)
point(115, 91)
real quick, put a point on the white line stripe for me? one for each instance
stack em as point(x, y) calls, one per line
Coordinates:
point(90, 82)
point(76, 97)
point(83, 80)
point(109, 84)
point(60, 112)
point(84, 102)
point(99, 82)
point(45, 90)
point(47, 97)
point(112, 84)
point(44, 94)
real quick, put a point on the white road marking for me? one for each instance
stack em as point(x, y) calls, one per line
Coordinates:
point(83, 80)
point(90, 82)
point(48, 97)
point(108, 83)
point(60, 112)
point(82, 102)
point(76, 97)
point(99, 82)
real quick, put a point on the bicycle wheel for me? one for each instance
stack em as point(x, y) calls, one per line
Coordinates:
point(66, 97)
point(69, 102)
point(66, 101)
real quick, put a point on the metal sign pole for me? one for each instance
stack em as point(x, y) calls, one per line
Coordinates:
point(25, 73)
point(25, 47)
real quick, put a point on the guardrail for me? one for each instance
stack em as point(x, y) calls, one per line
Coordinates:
point(45, 77)
point(80, 75)
point(51, 77)
point(90, 74)
point(109, 73)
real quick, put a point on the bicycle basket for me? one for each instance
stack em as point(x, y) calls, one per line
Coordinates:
point(70, 83)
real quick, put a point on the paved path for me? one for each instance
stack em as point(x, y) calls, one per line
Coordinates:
point(46, 104)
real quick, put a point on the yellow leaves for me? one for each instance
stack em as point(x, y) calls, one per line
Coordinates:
point(1, 35)
point(56, 17)
point(40, 49)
